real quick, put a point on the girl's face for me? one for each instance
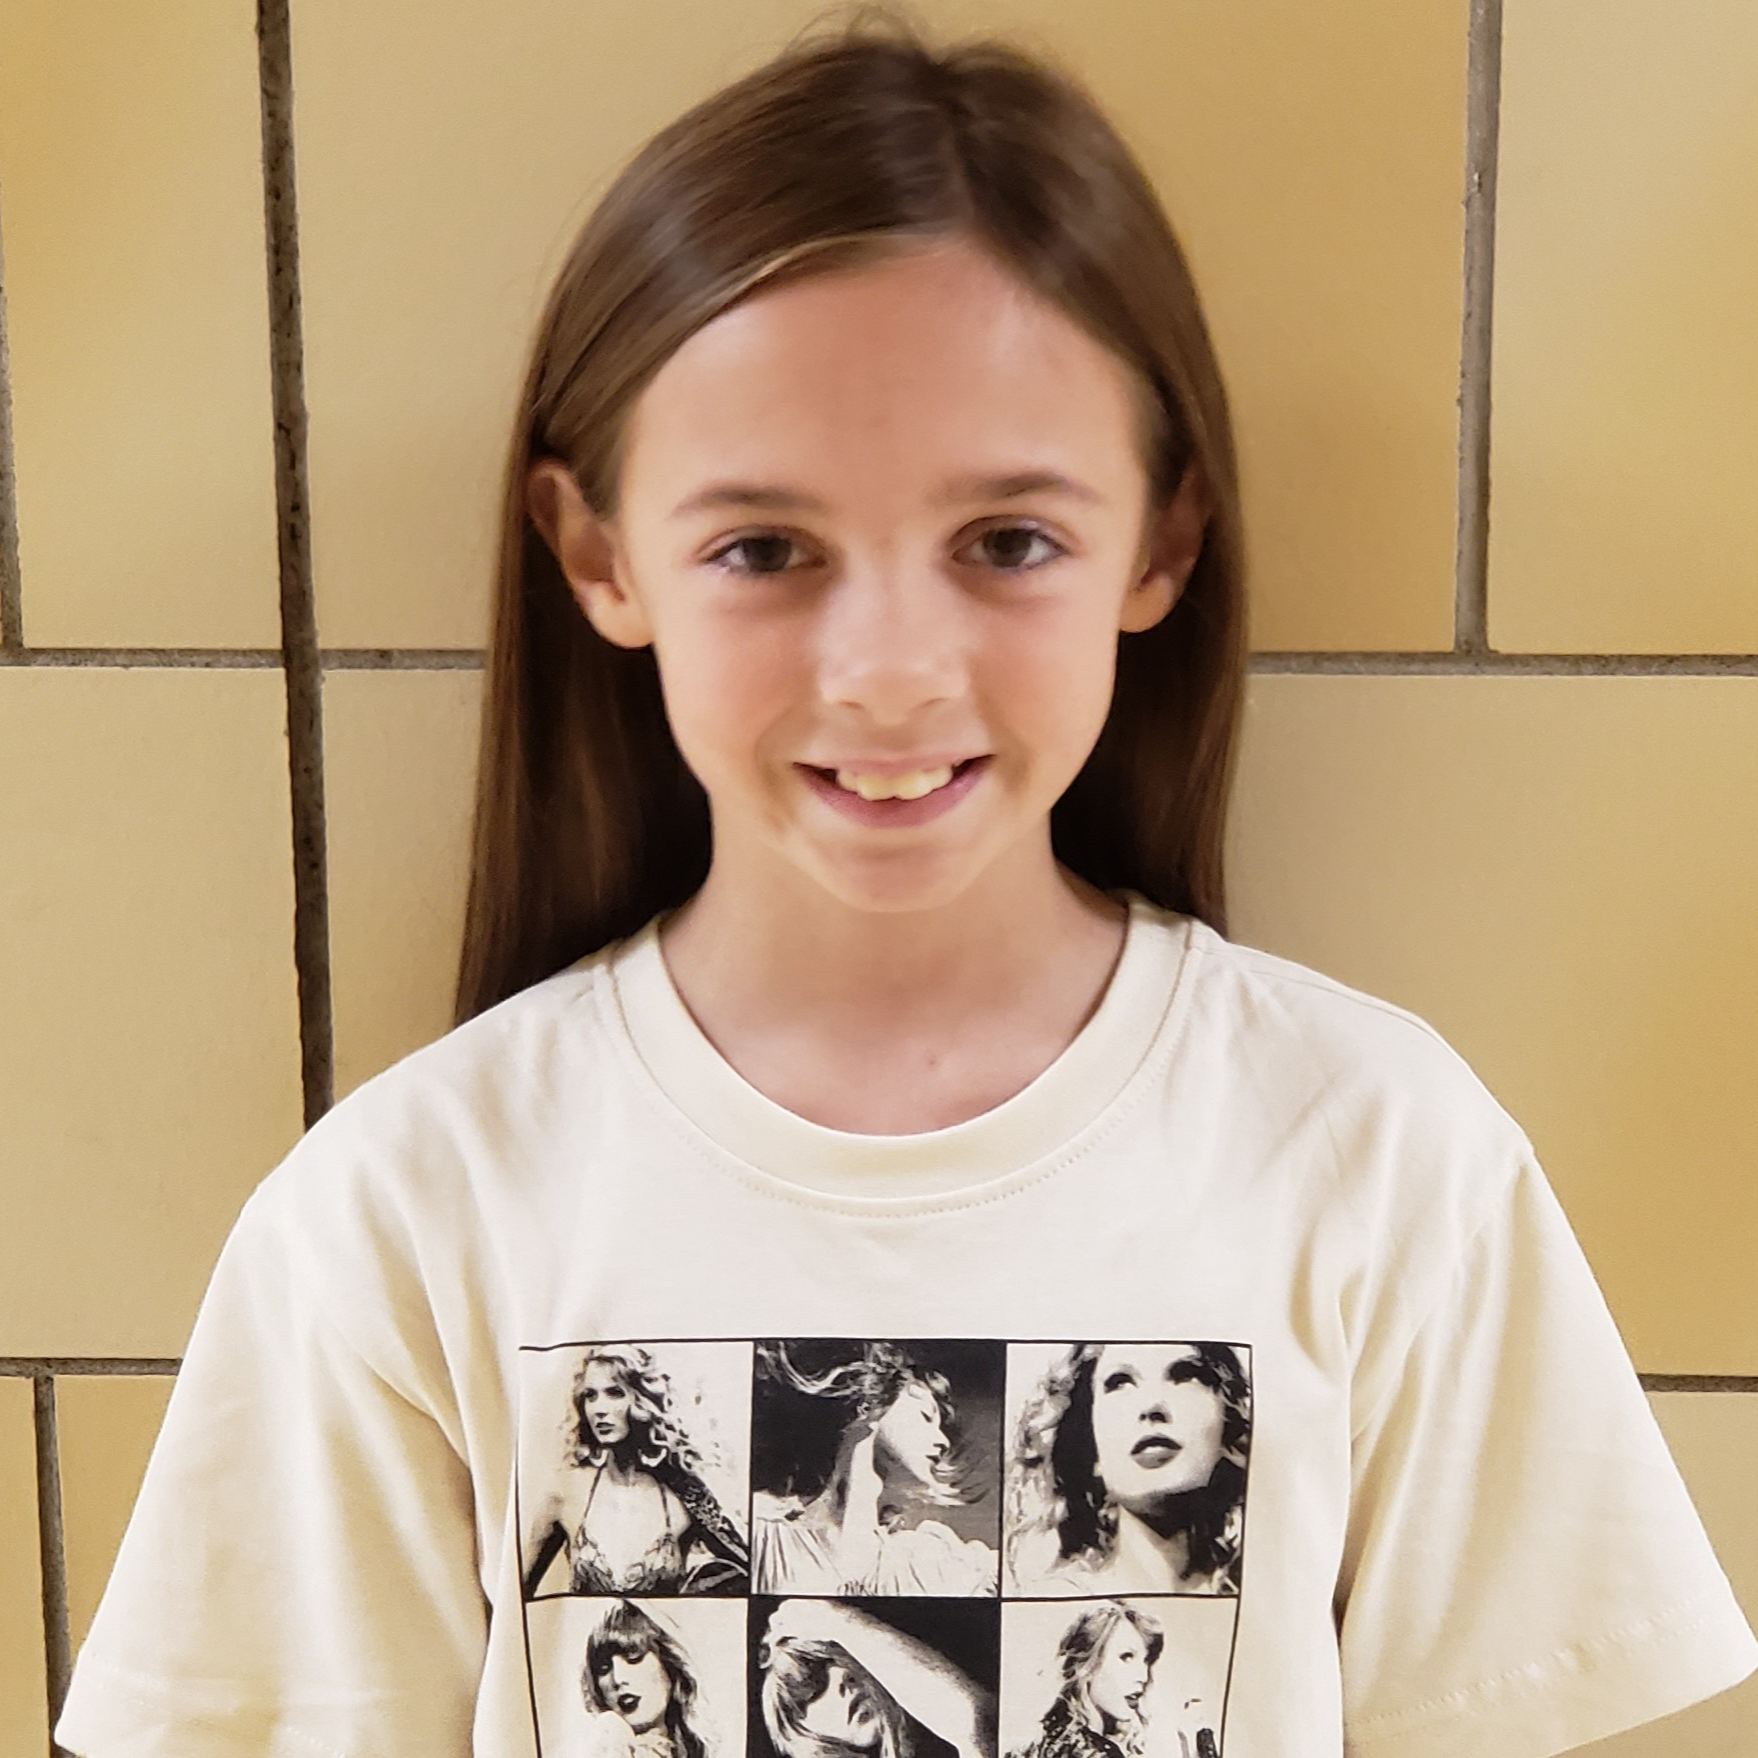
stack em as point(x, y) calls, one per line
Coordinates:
point(843, 1712)
point(1119, 1675)
point(909, 1438)
point(604, 1404)
point(894, 516)
point(1156, 1430)
point(637, 1690)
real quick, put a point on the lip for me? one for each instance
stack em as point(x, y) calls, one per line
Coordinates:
point(899, 765)
point(627, 1700)
point(1155, 1449)
point(896, 814)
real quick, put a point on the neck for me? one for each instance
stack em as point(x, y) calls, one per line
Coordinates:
point(1156, 1543)
point(965, 994)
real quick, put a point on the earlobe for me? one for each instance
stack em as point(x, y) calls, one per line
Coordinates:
point(1174, 545)
point(585, 548)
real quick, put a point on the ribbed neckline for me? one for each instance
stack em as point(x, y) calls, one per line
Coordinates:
point(805, 1160)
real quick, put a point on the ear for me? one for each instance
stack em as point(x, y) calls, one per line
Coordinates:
point(1174, 541)
point(586, 550)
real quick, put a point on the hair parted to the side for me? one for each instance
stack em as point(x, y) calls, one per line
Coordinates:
point(860, 139)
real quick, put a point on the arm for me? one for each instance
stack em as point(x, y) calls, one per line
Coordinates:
point(926, 1685)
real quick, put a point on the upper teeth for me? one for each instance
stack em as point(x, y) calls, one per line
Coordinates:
point(887, 787)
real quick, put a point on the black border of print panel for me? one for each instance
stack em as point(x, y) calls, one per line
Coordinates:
point(634, 1468)
point(835, 1675)
point(1127, 1467)
point(875, 1466)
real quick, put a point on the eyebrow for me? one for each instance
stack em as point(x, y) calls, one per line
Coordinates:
point(773, 497)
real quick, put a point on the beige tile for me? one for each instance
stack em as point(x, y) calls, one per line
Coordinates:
point(151, 1054)
point(1626, 354)
point(1313, 158)
point(24, 1696)
point(131, 201)
point(104, 1427)
point(1558, 874)
point(1714, 1437)
point(400, 770)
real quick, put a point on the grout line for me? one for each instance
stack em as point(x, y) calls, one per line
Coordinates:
point(299, 647)
point(1549, 665)
point(141, 658)
point(1699, 1382)
point(68, 1366)
point(11, 589)
point(1482, 133)
point(402, 659)
point(57, 1641)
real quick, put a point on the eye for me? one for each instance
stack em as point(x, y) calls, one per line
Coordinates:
point(763, 547)
point(1118, 1379)
point(1007, 554)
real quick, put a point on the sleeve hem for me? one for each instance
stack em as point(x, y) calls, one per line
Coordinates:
point(1579, 1694)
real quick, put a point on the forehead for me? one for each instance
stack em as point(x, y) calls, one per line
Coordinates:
point(602, 1372)
point(929, 364)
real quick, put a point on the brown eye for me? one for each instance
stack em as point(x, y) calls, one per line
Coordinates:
point(763, 548)
point(1010, 547)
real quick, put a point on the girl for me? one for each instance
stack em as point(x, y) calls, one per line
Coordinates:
point(845, 958)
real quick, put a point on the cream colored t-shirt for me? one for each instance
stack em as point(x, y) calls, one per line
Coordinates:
point(1248, 1340)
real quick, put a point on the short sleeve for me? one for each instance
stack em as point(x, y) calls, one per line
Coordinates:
point(299, 1575)
point(1524, 1571)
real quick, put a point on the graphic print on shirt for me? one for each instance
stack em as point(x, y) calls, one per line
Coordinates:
point(874, 1466)
point(831, 1678)
point(833, 1547)
point(1126, 1467)
point(627, 1678)
point(634, 1462)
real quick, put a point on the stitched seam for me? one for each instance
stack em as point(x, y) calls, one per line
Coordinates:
point(1682, 1620)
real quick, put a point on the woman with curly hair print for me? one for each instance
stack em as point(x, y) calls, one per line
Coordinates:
point(870, 1447)
point(1106, 1658)
point(1127, 1473)
point(637, 1674)
point(642, 1519)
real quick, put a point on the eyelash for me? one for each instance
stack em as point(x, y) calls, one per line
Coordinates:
point(717, 559)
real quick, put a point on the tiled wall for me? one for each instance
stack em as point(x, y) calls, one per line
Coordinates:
point(1502, 752)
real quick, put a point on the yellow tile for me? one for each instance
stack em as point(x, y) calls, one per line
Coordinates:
point(1313, 158)
point(137, 307)
point(1626, 355)
point(24, 1695)
point(1558, 874)
point(400, 770)
point(104, 1427)
point(1714, 1437)
point(150, 1039)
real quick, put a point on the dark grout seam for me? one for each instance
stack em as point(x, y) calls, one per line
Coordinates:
point(146, 658)
point(57, 1640)
point(402, 659)
point(71, 1366)
point(1507, 665)
point(11, 591)
point(1699, 1382)
point(1482, 136)
point(302, 665)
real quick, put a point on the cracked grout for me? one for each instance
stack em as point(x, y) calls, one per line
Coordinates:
point(52, 1549)
point(1482, 139)
point(302, 665)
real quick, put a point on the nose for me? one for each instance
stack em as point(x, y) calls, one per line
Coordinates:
point(893, 641)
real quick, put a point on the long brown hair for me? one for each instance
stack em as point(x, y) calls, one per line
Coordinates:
point(854, 142)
